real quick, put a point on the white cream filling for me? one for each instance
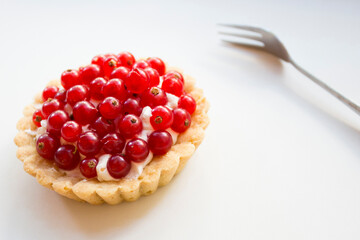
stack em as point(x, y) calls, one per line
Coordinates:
point(101, 169)
point(145, 118)
point(172, 101)
point(68, 109)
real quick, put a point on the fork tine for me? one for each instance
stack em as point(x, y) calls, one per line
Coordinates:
point(242, 36)
point(244, 27)
point(247, 45)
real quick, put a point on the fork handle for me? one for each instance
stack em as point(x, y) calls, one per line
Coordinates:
point(336, 94)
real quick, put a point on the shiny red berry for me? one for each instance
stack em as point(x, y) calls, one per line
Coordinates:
point(109, 66)
point(96, 87)
point(88, 167)
point(89, 143)
point(61, 96)
point(70, 78)
point(110, 108)
point(49, 92)
point(128, 126)
point(131, 106)
point(160, 142)
point(84, 113)
point(55, 122)
point(113, 143)
point(157, 64)
point(38, 117)
point(137, 81)
point(126, 59)
point(182, 120)
point(99, 60)
point(89, 73)
point(76, 94)
point(141, 64)
point(173, 86)
point(102, 126)
point(67, 157)
point(161, 118)
point(115, 88)
point(153, 76)
point(176, 75)
point(46, 146)
point(137, 150)
point(153, 97)
point(120, 73)
point(118, 166)
point(50, 106)
point(188, 103)
point(70, 131)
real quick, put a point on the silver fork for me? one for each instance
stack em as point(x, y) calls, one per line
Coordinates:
point(272, 45)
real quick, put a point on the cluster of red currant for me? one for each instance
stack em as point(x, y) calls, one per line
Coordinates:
point(122, 87)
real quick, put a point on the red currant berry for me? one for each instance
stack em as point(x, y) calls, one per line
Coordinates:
point(89, 143)
point(137, 81)
point(55, 122)
point(49, 92)
point(161, 118)
point(137, 150)
point(118, 167)
point(131, 106)
point(173, 86)
point(38, 117)
point(50, 106)
point(110, 108)
point(61, 96)
point(88, 167)
point(120, 73)
point(67, 157)
point(102, 126)
point(113, 143)
point(89, 73)
point(157, 64)
point(182, 120)
point(46, 146)
point(128, 126)
point(153, 97)
point(115, 88)
point(70, 131)
point(76, 94)
point(99, 60)
point(109, 65)
point(160, 142)
point(70, 78)
point(176, 75)
point(153, 76)
point(188, 103)
point(96, 87)
point(84, 113)
point(141, 64)
point(126, 59)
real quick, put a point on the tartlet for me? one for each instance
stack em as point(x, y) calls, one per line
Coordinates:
point(158, 172)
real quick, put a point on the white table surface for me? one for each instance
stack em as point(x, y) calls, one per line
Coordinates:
point(281, 158)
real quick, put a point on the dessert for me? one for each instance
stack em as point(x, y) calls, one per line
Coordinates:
point(113, 130)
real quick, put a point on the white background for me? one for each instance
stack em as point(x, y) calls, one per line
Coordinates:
point(281, 157)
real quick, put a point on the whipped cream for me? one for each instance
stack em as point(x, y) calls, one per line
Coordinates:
point(172, 101)
point(101, 169)
point(68, 109)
